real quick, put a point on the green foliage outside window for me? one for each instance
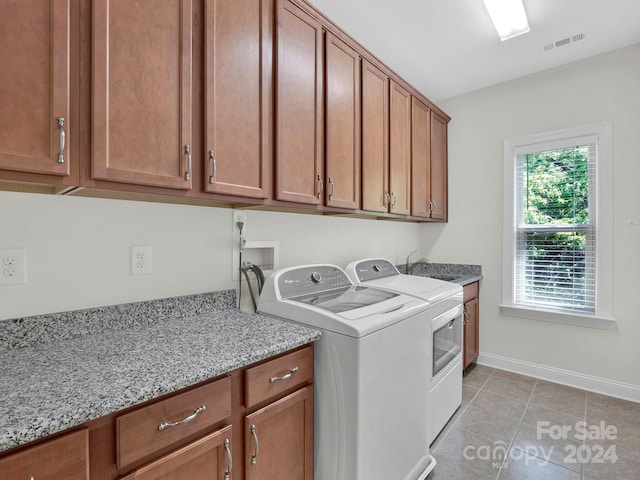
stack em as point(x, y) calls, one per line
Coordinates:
point(555, 189)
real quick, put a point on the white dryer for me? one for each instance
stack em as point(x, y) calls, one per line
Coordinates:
point(370, 376)
point(444, 327)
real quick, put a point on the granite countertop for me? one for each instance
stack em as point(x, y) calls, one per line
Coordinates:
point(50, 386)
point(462, 274)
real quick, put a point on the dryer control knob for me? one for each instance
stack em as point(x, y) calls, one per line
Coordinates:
point(316, 277)
point(376, 267)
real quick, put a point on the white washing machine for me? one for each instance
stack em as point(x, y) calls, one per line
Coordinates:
point(444, 327)
point(370, 376)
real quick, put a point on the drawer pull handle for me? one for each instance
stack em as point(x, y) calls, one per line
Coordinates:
point(198, 411)
point(254, 457)
point(227, 447)
point(62, 141)
point(286, 376)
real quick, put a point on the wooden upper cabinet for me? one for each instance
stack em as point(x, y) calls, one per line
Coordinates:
point(342, 134)
point(141, 128)
point(238, 97)
point(299, 106)
point(400, 149)
point(439, 173)
point(420, 159)
point(34, 91)
point(375, 139)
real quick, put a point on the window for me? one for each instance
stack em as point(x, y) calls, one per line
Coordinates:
point(558, 227)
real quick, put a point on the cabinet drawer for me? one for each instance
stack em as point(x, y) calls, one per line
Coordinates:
point(63, 458)
point(276, 376)
point(156, 426)
point(470, 291)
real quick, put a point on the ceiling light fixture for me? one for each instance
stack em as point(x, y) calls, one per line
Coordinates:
point(508, 16)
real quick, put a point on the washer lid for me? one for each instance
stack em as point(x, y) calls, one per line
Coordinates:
point(345, 298)
point(366, 272)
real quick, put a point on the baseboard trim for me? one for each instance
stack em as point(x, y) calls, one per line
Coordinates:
point(612, 388)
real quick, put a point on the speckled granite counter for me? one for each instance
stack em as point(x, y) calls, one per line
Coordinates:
point(462, 274)
point(72, 377)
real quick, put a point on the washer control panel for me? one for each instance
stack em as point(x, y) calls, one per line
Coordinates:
point(376, 268)
point(316, 278)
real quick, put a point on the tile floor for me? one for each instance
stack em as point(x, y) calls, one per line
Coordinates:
point(512, 427)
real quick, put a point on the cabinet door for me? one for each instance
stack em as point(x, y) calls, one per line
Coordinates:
point(420, 159)
point(400, 149)
point(342, 124)
point(299, 118)
point(238, 98)
point(34, 91)
point(375, 139)
point(63, 458)
point(471, 337)
point(208, 458)
point(438, 167)
point(279, 439)
point(142, 92)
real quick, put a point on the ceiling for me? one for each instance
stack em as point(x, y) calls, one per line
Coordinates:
point(448, 47)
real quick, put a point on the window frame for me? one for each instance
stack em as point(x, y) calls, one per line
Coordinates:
point(601, 135)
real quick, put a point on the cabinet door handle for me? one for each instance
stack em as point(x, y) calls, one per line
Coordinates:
point(332, 188)
point(227, 447)
point(286, 376)
point(256, 447)
point(214, 167)
point(62, 139)
point(320, 187)
point(395, 199)
point(430, 207)
point(187, 152)
point(385, 199)
point(191, 417)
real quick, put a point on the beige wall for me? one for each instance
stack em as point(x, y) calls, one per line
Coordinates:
point(78, 248)
point(602, 88)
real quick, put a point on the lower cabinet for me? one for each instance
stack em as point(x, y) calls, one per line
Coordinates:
point(279, 439)
point(189, 434)
point(208, 458)
point(471, 324)
point(62, 458)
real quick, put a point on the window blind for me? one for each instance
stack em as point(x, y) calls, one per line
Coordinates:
point(555, 229)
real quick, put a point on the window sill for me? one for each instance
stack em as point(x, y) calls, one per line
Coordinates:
point(555, 316)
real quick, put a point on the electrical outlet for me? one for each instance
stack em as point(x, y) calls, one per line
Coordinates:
point(140, 260)
point(13, 266)
point(239, 216)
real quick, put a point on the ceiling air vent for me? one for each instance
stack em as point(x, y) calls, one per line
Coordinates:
point(547, 47)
